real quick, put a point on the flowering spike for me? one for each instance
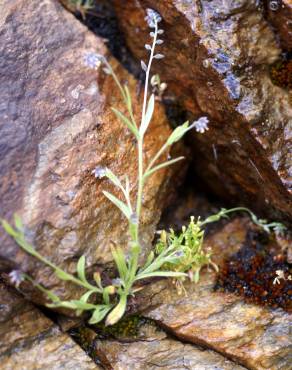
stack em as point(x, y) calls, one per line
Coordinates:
point(152, 17)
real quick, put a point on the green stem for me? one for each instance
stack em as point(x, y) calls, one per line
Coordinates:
point(116, 80)
point(156, 157)
point(29, 249)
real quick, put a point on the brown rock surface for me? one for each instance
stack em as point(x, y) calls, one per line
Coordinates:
point(30, 341)
point(153, 349)
point(279, 13)
point(56, 126)
point(216, 58)
point(257, 337)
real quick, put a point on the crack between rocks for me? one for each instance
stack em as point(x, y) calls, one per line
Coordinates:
point(200, 343)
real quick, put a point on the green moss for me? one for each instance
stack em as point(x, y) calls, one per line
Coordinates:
point(125, 328)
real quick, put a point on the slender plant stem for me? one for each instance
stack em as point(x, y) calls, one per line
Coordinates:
point(59, 271)
point(157, 155)
point(112, 72)
point(141, 139)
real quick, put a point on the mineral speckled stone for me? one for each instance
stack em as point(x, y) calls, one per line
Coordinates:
point(217, 55)
point(56, 127)
point(30, 341)
point(153, 350)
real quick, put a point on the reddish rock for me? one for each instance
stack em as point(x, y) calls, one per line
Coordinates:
point(216, 65)
point(279, 14)
point(56, 126)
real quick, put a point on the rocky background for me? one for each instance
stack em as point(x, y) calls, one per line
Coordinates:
point(227, 60)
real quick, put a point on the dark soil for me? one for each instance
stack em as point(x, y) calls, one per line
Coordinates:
point(281, 73)
point(251, 272)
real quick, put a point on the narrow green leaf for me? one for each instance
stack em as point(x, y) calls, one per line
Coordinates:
point(118, 203)
point(160, 274)
point(196, 276)
point(178, 133)
point(97, 279)
point(81, 269)
point(110, 289)
point(84, 298)
point(65, 304)
point(148, 115)
point(52, 296)
point(9, 229)
point(18, 223)
point(129, 98)
point(126, 121)
point(120, 260)
point(162, 165)
point(117, 312)
point(149, 260)
point(63, 275)
point(113, 178)
point(82, 305)
point(99, 313)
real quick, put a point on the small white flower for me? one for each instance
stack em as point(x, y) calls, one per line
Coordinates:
point(152, 17)
point(99, 172)
point(201, 125)
point(280, 274)
point(93, 60)
point(16, 277)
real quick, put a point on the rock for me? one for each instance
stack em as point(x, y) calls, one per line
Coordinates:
point(279, 13)
point(153, 349)
point(31, 341)
point(256, 337)
point(56, 127)
point(215, 65)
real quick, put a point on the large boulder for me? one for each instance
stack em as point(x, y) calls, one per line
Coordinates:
point(216, 62)
point(56, 126)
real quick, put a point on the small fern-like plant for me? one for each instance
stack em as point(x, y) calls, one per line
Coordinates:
point(177, 256)
point(187, 245)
